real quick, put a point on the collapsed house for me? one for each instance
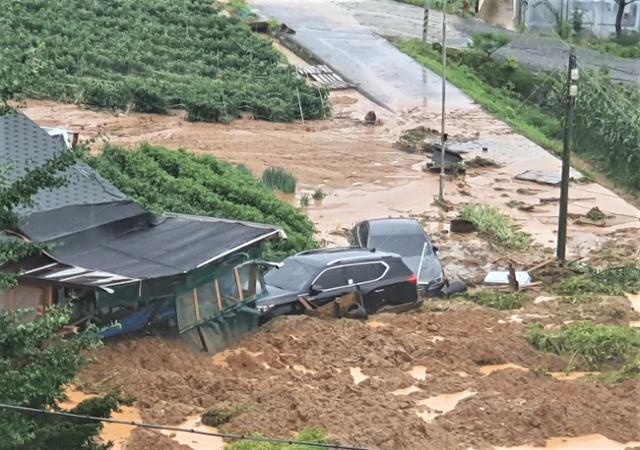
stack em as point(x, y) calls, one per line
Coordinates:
point(115, 261)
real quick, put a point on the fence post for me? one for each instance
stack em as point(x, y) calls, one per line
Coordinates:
point(425, 22)
point(300, 105)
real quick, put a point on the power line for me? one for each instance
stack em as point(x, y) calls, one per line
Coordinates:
point(235, 437)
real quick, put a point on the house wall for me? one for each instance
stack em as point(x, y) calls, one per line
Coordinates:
point(27, 295)
point(599, 17)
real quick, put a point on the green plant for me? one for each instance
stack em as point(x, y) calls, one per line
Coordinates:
point(577, 20)
point(564, 30)
point(305, 200)
point(316, 435)
point(496, 226)
point(150, 55)
point(489, 43)
point(279, 179)
point(611, 281)
point(318, 195)
point(496, 299)
point(177, 181)
point(596, 345)
point(244, 170)
point(214, 417)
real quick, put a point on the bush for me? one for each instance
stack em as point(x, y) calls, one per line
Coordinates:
point(489, 43)
point(496, 299)
point(611, 281)
point(316, 435)
point(496, 226)
point(279, 179)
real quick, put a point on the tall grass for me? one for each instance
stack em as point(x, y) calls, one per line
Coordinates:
point(610, 281)
point(496, 299)
point(279, 179)
point(496, 226)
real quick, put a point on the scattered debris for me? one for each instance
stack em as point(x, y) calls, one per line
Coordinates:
point(519, 204)
point(554, 178)
point(370, 118)
point(413, 140)
point(322, 76)
point(479, 162)
point(496, 278)
point(462, 226)
point(595, 214)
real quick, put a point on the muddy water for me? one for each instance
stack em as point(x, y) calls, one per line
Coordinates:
point(117, 433)
point(196, 441)
point(357, 375)
point(407, 391)
point(418, 373)
point(441, 404)
point(486, 370)
point(561, 376)
point(590, 442)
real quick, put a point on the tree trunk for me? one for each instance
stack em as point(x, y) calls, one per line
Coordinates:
point(621, 5)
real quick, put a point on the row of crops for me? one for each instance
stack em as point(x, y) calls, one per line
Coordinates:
point(150, 56)
point(177, 181)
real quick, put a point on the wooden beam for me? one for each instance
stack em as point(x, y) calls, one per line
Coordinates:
point(238, 284)
point(196, 305)
point(218, 295)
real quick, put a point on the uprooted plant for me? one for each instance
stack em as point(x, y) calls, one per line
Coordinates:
point(496, 226)
point(496, 299)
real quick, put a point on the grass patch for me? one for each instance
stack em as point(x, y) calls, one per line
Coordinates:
point(611, 281)
point(315, 435)
point(596, 345)
point(318, 195)
point(628, 46)
point(305, 199)
point(496, 226)
point(279, 179)
point(578, 299)
point(496, 299)
point(214, 417)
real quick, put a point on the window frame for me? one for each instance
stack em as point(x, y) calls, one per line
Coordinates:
point(384, 263)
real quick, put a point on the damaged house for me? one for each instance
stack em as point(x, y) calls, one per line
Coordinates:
point(118, 262)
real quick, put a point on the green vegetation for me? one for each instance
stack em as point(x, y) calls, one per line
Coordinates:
point(149, 56)
point(489, 43)
point(214, 417)
point(305, 199)
point(611, 281)
point(496, 226)
point(318, 195)
point(597, 346)
point(628, 46)
point(496, 299)
point(177, 181)
point(459, 7)
point(607, 126)
point(315, 435)
point(279, 179)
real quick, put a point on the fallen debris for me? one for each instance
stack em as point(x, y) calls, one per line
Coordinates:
point(554, 178)
point(481, 162)
point(502, 278)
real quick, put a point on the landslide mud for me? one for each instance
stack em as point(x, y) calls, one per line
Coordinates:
point(406, 367)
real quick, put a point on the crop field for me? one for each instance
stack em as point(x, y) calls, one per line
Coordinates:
point(150, 56)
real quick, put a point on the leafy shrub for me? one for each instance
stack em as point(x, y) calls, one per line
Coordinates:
point(594, 344)
point(316, 435)
point(214, 417)
point(611, 281)
point(496, 226)
point(305, 200)
point(318, 195)
point(177, 181)
point(279, 179)
point(489, 43)
point(496, 299)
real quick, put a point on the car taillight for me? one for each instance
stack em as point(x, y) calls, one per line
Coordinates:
point(412, 279)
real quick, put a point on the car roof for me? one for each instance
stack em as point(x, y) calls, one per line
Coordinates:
point(323, 257)
point(394, 226)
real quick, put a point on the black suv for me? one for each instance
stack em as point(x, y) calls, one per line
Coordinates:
point(322, 275)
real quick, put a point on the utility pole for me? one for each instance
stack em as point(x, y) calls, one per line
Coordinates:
point(425, 22)
point(572, 92)
point(443, 136)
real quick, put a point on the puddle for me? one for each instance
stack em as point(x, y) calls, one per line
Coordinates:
point(117, 433)
point(568, 376)
point(441, 404)
point(590, 441)
point(418, 372)
point(407, 391)
point(196, 441)
point(220, 359)
point(486, 370)
point(357, 375)
point(436, 339)
point(303, 369)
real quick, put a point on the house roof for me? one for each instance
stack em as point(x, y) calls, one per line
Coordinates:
point(24, 145)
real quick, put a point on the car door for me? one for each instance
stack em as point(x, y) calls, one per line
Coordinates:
point(333, 284)
point(365, 277)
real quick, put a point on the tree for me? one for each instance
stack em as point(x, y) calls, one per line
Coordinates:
point(622, 4)
point(489, 43)
point(36, 360)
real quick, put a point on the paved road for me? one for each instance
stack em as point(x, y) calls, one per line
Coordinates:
point(377, 68)
point(391, 18)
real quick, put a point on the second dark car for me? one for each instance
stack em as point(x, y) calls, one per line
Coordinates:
point(322, 275)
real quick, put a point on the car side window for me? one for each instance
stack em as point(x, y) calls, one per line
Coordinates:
point(331, 278)
point(362, 273)
point(362, 234)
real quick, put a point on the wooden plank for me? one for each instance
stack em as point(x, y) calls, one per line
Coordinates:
point(238, 284)
point(196, 305)
point(218, 295)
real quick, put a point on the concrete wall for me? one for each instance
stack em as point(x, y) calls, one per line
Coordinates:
point(598, 17)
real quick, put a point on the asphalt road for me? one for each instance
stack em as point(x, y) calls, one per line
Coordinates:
point(331, 32)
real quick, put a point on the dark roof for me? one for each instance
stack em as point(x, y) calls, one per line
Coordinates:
point(23, 145)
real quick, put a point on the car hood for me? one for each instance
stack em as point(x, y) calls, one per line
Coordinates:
point(430, 270)
point(275, 296)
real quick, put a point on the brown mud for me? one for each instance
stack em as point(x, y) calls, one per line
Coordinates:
point(410, 381)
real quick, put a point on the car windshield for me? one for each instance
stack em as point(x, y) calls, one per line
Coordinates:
point(402, 244)
point(292, 276)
